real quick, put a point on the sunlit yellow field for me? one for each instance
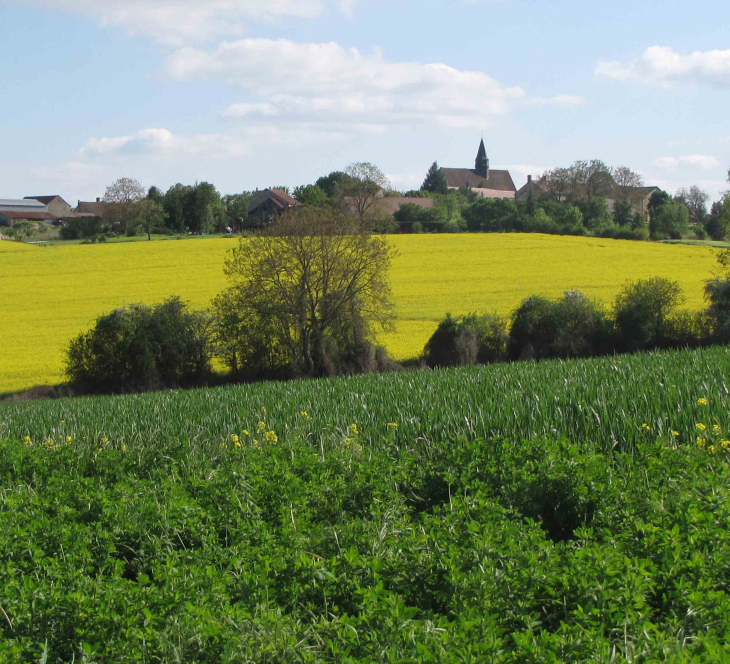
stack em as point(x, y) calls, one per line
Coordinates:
point(50, 294)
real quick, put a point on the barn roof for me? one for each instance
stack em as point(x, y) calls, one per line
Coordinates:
point(21, 202)
point(461, 178)
point(45, 199)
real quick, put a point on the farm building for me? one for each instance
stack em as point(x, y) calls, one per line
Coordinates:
point(487, 182)
point(13, 211)
point(93, 209)
point(268, 203)
point(54, 204)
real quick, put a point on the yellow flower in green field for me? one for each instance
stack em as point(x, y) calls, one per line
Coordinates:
point(245, 433)
point(725, 444)
point(237, 444)
point(223, 446)
point(645, 427)
point(353, 429)
point(712, 449)
point(124, 448)
point(392, 425)
point(261, 426)
point(100, 449)
point(675, 434)
point(63, 421)
point(271, 437)
point(701, 442)
point(702, 401)
point(234, 438)
point(105, 440)
point(69, 440)
point(348, 441)
point(255, 441)
point(304, 414)
point(27, 440)
point(700, 426)
point(716, 428)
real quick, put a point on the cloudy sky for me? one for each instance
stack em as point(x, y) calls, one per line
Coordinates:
point(256, 93)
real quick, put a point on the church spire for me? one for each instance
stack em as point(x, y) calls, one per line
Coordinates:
point(481, 165)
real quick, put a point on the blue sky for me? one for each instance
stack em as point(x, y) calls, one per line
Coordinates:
point(247, 94)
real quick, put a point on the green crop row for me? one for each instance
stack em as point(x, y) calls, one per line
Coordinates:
point(604, 401)
point(469, 551)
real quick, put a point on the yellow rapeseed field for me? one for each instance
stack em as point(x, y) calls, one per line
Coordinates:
point(50, 294)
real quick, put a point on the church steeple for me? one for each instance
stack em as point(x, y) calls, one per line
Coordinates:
point(481, 165)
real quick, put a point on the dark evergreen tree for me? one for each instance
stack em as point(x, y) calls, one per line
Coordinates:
point(435, 181)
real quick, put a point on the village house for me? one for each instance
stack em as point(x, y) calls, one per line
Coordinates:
point(13, 211)
point(268, 203)
point(54, 204)
point(487, 182)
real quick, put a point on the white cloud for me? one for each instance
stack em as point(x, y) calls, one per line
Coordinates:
point(559, 100)
point(702, 161)
point(663, 66)
point(329, 84)
point(162, 143)
point(185, 21)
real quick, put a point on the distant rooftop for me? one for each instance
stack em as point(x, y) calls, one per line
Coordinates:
point(15, 202)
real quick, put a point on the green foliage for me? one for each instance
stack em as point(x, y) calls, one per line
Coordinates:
point(310, 194)
point(141, 348)
point(717, 293)
point(491, 215)
point(596, 214)
point(642, 313)
point(331, 183)
point(435, 181)
point(656, 202)
point(78, 228)
point(466, 340)
point(672, 220)
point(587, 529)
point(410, 213)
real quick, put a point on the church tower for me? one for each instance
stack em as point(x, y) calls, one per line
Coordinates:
point(481, 165)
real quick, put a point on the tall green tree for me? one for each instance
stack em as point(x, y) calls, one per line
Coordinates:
point(435, 180)
point(151, 215)
point(310, 194)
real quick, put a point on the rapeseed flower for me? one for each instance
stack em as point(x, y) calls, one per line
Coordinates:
point(234, 438)
point(261, 426)
point(716, 428)
point(701, 442)
point(725, 444)
point(353, 429)
point(27, 440)
point(675, 434)
point(304, 414)
point(271, 437)
point(700, 426)
point(392, 425)
point(645, 427)
point(69, 440)
point(245, 432)
point(712, 449)
point(702, 401)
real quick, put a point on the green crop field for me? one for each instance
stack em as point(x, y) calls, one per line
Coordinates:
point(538, 512)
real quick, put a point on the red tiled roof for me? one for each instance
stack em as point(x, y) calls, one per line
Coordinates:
point(460, 178)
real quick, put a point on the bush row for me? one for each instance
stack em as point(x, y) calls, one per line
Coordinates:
point(645, 316)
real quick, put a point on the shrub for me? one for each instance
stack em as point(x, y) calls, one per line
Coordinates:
point(78, 228)
point(140, 348)
point(572, 326)
point(642, 311)
point(717, 293)
point(467, 340)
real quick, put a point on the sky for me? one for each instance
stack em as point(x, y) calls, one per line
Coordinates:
point(250, 94)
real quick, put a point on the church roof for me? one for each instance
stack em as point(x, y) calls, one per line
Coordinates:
point(482, 153)
point(460, 178)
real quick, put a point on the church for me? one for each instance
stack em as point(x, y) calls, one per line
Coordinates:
point(489, 183)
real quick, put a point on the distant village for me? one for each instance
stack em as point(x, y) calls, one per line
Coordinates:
point(484, 181)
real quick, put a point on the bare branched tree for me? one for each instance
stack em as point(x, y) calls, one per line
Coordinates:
point(628, 185)
point(361, 188)
point(124, 193)
point(556, 183)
